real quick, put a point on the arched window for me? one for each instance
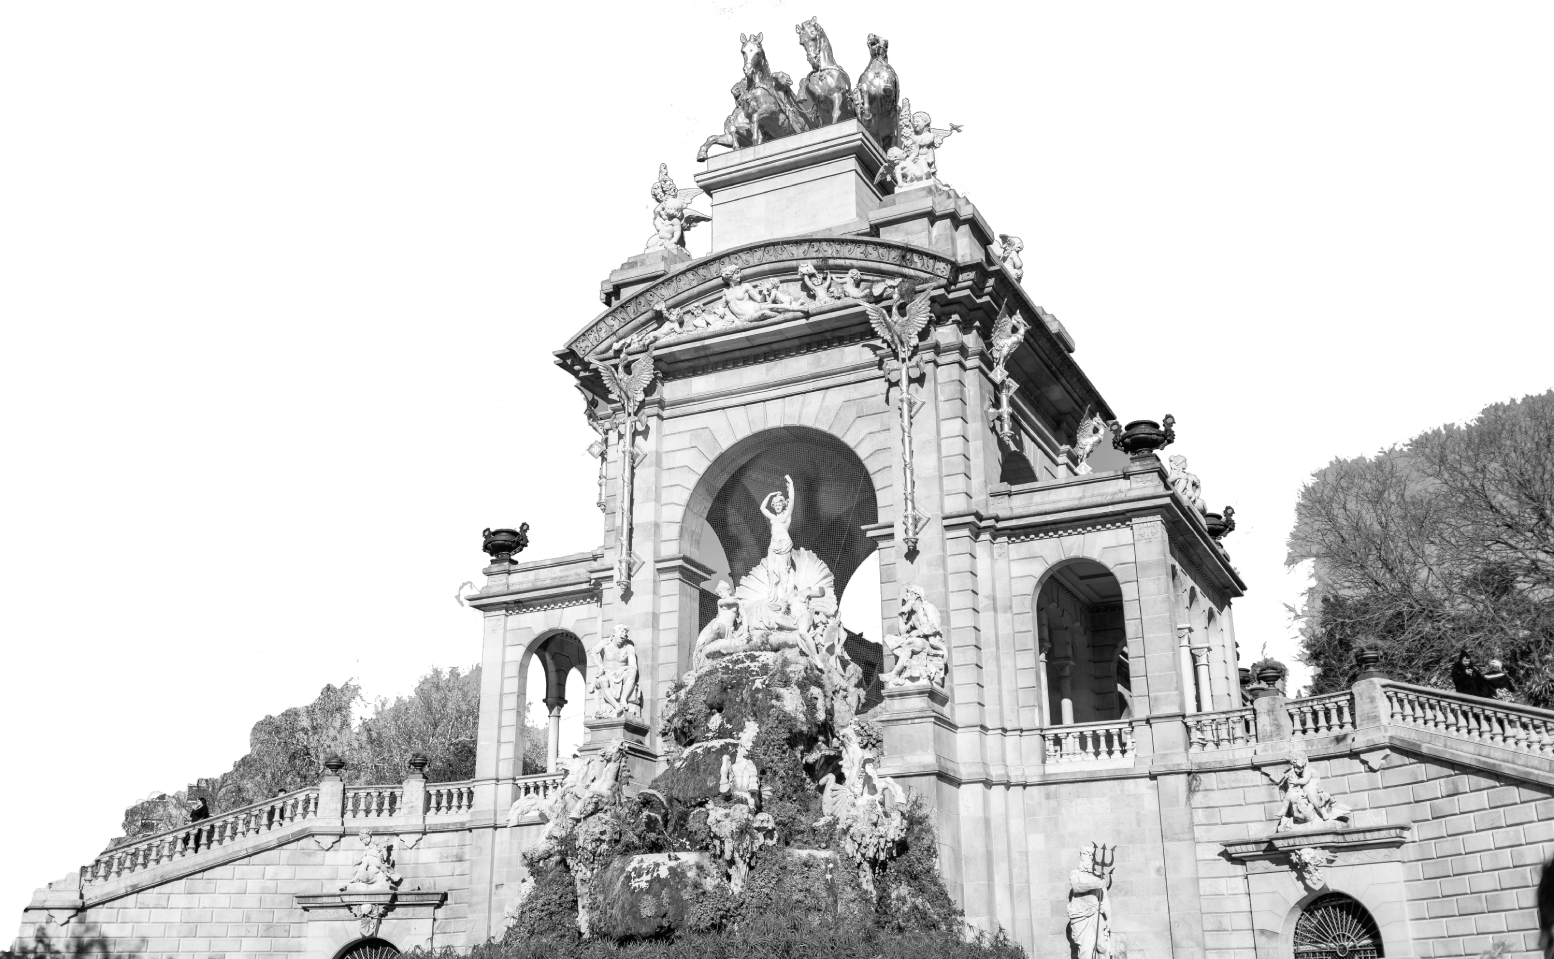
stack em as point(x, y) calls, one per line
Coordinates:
point(1334, 926)
point(368, 949)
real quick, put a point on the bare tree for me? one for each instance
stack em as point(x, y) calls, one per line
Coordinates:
point(1445, 543)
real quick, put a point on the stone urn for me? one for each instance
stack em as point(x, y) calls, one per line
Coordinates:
point(501, 544)
point(334, 763)
point(1143, 437)
point(1221, 524)
point(1370, 662)
point(1270, 675)
point(1246, 676)
point(418, 763)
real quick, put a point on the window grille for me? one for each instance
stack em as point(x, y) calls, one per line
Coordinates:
point(1334, 926)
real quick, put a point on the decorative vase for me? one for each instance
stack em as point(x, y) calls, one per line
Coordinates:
point(1143, 437)
point(501, 544)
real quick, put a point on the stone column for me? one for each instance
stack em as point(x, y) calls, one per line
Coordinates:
point(1065, 668)
point(1184, 654)
point(1043, 651)
point(554, 703)
point(1203, 678)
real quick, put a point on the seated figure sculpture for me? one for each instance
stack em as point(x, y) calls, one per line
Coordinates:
point(1306, 804)
point(374, 871)
point(919, 646)
point(616, 679)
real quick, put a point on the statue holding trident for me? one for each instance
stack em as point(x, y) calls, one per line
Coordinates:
point(778, 510)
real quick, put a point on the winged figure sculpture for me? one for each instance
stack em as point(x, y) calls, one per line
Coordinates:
point(629, 382)
point(898, 323)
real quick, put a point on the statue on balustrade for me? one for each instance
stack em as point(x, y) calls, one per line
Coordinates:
point(672, 213)
point(1306, 804)
point(919, 644)
point(1186, 485)
point(616, 678)
point(1089, 908)
point(374, 871)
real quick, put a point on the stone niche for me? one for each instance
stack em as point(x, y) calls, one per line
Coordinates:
point(338, 921)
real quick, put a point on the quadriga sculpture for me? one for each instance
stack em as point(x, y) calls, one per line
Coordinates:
point(764, 106)
point(824, 94)
point(877, 96)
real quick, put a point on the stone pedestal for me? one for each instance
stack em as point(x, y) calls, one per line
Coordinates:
point(818, 181)
point(638, 271)
point(633, 732)
point(918, 730)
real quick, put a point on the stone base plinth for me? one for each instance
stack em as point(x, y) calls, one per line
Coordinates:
point(638, 271)
point(821, 180)
point(919, 735)
point(641, 759)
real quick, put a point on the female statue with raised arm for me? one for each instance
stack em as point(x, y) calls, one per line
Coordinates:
point(778, 510)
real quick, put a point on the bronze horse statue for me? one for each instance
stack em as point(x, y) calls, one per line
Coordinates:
point(824, 95)
point(877, 97)
point(765, 108)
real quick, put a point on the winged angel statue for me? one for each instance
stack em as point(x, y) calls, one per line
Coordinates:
point(899, 324)
point(672, 213)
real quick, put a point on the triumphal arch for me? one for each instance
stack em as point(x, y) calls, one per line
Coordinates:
point(856, 391)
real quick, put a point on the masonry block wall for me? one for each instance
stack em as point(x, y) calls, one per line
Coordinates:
point(249, 907)
point(1470, 868)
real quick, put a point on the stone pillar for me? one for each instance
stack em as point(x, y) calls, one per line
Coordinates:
point(554, 703)
point(415, 787)
point(1190, 697)
point(331, 790)
point(1202, 677)
point(1273, 719)
point(1065, 668)
point(1043, 652)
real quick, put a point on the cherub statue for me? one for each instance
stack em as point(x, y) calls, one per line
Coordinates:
point(1086, 439)
point(919, 646)
point(1009, 255)
point(1089, 909)
point(672, 213)
point(771, 291)
point(616, 679)
point(816, 285)
point(743, 301)
point(1186, 484)
point(721, 631)
point(1306, 804)
point(375, 869)
point(914, 160)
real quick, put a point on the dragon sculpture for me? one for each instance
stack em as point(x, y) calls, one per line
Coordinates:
point(628, 384)
point(899, 324)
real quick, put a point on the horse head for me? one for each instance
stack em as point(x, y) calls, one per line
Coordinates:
point(756, 66)
point(817, 46)
point(878, 47)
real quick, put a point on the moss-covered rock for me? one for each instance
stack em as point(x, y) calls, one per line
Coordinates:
point(647, 895)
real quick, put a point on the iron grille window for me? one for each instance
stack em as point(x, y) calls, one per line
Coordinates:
point(1334, 926)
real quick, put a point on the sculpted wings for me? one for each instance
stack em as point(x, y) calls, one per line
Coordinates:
point(1002, 327)
point(636, 384)
point(611, 378)
point(916, 318)
point(881, 323)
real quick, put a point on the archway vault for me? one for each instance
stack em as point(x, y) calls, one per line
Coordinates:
point(834, 492)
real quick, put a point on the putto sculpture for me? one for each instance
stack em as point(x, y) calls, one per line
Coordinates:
point(1008, 333)
point(1186, 484)
point(914, 161)
point(919, 643)
point(372, 873)
point(1008, 253)
point(898, 325)
point(617, 681)
point(1306, 804)
point(672, 213)
point(1089, 908)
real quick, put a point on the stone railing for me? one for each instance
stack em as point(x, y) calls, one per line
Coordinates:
point(1521, 728)
point(449, 799)
point(1321, 715)
point(373, 802)
point(203, 836)
point(1089, 742)
point(541, 785)
point(1211, 732)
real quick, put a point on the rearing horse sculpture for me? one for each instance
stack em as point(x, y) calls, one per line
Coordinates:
point(764, 105)
point(824, 95)
point(878, 94)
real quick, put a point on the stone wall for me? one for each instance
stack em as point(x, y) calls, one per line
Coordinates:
point(1469, 870)
point(250, 908)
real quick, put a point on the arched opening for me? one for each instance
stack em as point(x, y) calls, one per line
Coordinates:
point(554, 701)
point(834, 499)
point(373, 948)
point(1336, 926)
point(1083, 644)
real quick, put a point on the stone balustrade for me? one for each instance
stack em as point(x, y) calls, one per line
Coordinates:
point(1212, 732)
point(1089, 742)
point(373, 802)
point(202, 837)
point(541, 785)
point(1520, 728)
point(1321, 715)
point(449, 799)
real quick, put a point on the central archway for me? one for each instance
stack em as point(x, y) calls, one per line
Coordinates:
point(835, 500)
